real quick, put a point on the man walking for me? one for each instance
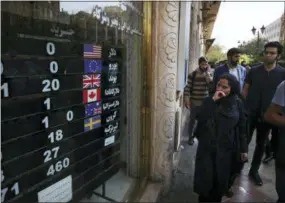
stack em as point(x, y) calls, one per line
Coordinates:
point(196, 90)
point(260, 85)
point(232, 66)
point(275, 114)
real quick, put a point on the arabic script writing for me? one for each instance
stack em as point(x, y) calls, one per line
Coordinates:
point(112, 79)
point(111, 128)
point(111, 105)
point(113, 66)
point(112, 117)
point(112, 91)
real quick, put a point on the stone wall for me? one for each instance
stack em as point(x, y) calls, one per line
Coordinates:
point(164, 62)
point(165, 49)
point(196, 49)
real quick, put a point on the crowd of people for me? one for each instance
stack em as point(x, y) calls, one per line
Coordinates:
point(227, 105)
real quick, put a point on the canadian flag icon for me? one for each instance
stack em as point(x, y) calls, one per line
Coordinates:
point(91, 95)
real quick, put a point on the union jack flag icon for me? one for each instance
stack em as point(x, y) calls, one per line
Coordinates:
point(91, 81)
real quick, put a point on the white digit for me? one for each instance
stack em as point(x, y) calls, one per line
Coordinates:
point(2, 176)
point(65, 162)
point(50, 171)
point(47, 86)
point(58, 166)
point(53, 67)
point(2, 68)
point(47, 103)
point(47, 154)
point(45, 122)
point(16, 188)
point(3, 193)
point(59, 135)
point(54, 85)
point(5, 89)
point(50, 48)
point(69, 116)
point(51, 137)
point(55, 150)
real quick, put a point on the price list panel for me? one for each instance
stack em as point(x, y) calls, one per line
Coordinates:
point(59, 114)
point(111, 91)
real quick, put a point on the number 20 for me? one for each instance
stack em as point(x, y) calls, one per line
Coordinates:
point(50, 85)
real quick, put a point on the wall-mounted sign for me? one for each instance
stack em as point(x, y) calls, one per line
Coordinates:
point(99, 13)
point(60, 113)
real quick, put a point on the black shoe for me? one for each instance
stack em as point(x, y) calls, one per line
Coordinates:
point(191, 141)
point(229, 193)
point(267, 159)
point(256, 178)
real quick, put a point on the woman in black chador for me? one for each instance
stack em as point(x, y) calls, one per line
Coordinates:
point(221, 132)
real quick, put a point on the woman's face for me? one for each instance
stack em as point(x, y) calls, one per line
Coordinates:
point(223, 85)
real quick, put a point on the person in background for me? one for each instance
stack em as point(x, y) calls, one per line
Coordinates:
point(231, 67)
point(196, 90)
point(244, 64)
point(275, 114)
point(221, 134)
point(260, 85)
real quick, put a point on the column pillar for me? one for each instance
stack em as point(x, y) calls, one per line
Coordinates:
point(163, 88)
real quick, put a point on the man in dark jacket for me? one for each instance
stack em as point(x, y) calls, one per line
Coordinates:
point(260, 85)
point(232, 67)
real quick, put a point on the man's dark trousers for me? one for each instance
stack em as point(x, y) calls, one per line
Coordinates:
point(262, 133)
point(192, 123)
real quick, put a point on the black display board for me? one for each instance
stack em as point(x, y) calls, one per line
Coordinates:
point(60, 104)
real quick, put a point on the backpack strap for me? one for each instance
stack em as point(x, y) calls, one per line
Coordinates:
point(193, 76)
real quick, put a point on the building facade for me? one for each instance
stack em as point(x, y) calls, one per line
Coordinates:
point(273, 31)
point(91, 96)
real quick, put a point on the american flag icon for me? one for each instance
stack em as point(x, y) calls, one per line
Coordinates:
point(91, 81)
point(92, 51)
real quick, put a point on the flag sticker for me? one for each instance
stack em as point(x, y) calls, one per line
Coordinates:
point(92, 66)
point(91, 81)
point(91, 95)
point(92, 51)
point(92, 123)
point(93, 109)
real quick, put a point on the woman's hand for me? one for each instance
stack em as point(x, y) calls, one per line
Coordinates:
point(218, 95)
point(244, 157)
